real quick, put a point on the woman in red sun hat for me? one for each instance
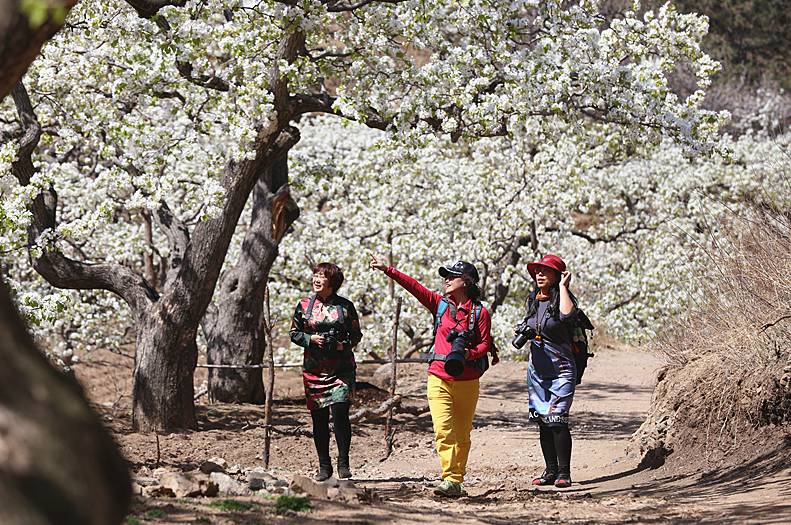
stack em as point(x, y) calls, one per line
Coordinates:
point(551, 372)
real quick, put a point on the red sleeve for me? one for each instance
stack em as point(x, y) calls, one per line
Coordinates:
point(484, 328)
point(426, 297)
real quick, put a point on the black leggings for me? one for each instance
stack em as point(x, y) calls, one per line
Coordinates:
point(556, 447)
point(343, 432)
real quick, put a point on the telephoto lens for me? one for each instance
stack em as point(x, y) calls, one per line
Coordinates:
point(454, 363)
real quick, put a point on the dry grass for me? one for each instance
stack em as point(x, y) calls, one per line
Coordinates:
point(731, 356)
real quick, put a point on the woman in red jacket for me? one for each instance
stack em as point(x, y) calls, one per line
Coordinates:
point(452, 397)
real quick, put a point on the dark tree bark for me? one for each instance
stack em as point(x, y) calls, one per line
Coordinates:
point(20, 43)
point(58, 464)
point(232, 325)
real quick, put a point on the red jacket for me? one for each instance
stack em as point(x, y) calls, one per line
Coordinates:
point(429, 299)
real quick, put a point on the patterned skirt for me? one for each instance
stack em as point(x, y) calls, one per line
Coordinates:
point(550, 384)
point(325, 389)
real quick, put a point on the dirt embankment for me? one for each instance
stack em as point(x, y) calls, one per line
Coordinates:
point(609, 487)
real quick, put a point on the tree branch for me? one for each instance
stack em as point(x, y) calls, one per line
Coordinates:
point(59, 270)
point(177, 235)
point(608, 238)
point(205, 81)
point(148, 8)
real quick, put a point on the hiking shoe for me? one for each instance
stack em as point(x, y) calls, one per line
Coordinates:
point(344, 472)
point(547, 478)
point(563, 481)
point(450, 489)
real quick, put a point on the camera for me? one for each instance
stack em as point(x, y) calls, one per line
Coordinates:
point(454, 362)
point(524, 334)
point(331, 338)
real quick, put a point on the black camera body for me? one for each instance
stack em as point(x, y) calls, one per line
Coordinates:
point(524, 333)
point(454, 362)
point(332, 337)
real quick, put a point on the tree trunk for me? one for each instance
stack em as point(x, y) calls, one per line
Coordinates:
point(59, 465)
point(20, 43)
point(233, 331)
point(163, 393)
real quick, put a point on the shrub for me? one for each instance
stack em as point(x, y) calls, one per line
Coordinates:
point(296, 503)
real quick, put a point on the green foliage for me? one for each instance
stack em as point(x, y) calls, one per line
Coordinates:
point(154, 514)
point(38, 12)
point(296, 503)
point(232, 505)
point(132, 520)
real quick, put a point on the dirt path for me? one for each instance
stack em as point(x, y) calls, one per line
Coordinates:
point(608, 488)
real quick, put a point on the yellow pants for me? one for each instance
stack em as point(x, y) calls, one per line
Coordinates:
point(452, 405)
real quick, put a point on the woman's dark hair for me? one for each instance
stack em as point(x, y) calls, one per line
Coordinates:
point(332, 272)
point(554, 301)
point(471, 288)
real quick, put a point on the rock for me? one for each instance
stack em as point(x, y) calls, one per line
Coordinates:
point(157, 491)
point(381, 377)
point(213, 465)
point(228, 486)
point(188, 484)
point(145, 481)
point(137, 489)
point(257, 480)
point(301, 484)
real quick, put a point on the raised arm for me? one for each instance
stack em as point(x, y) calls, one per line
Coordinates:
point(426, 297)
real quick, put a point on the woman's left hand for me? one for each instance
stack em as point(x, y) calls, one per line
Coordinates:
point(565, 279)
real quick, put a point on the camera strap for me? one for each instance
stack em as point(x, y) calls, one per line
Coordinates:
point(309, 311)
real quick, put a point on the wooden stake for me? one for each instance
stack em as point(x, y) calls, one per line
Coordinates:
point(266, 331)
point(390, 436)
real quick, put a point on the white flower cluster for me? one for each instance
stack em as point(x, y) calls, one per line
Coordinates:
point(630, 232)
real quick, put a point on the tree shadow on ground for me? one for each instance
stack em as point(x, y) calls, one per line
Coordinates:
point(746, 481)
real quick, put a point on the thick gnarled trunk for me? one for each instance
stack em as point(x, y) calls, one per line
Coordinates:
point(59, 465)
point(163, 393)
point(233, 328)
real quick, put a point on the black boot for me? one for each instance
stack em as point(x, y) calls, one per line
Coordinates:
point(343, 468)
point(547, 441)
point(343, 437)
point(321, 438)
point(563, 447)
point(325, 470)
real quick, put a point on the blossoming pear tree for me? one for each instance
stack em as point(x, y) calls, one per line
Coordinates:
point(144, 126)
point(630, 231)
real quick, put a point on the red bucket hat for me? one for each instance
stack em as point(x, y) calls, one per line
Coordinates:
point(550, 260)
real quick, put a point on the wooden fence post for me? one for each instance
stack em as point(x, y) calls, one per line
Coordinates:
point(266, 331)
point(390, 433)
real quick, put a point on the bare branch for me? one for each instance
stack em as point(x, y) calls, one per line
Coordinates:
point(338, 7)
point(607, 238)
point(205, 81)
